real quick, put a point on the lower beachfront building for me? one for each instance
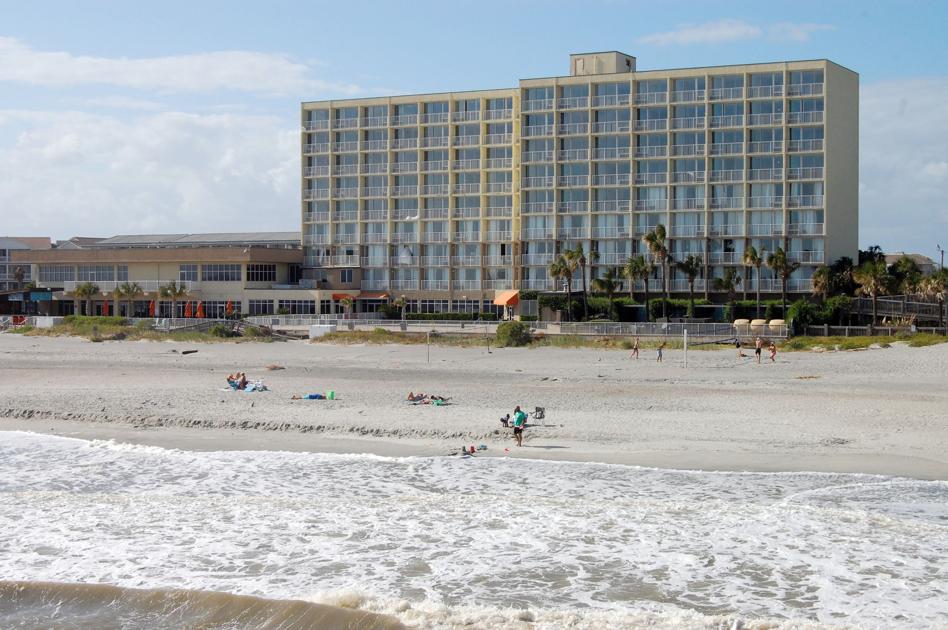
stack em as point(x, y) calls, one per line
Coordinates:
point(452, 198)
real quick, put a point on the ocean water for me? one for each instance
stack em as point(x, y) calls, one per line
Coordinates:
point(477, 542)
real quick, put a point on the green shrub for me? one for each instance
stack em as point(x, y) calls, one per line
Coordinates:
point(441, 316)
point(774, 310)
point(220, 330)
point(676, 308)
point(528, 295)
point(802, 313)
point(283, 311)
point(626, 344)
point(835, 309)
point(390, 311)
point(512, 334)
point(529, 318)
point(143, 324)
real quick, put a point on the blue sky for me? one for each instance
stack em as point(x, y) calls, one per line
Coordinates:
point(125, 117)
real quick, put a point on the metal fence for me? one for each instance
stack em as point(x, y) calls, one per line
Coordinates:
point(860, 331)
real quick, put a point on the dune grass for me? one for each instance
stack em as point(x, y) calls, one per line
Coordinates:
point(99, 329)
point(918, 340)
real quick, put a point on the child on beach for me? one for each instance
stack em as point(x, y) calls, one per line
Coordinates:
point(635, 349)
point(773, 352)
point(740, 351)
point(661, 348)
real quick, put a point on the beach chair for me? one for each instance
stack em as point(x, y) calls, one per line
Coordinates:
point(539, 413)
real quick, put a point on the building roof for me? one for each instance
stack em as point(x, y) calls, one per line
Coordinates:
point(920, 259)
point(26, 242)
point(77, 242)
point(221, 239)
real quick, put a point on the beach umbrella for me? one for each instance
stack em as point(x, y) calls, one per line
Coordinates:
point(187, 310)
point(229, 308)
point(151, 308)
point(200, 311)
point(105, 307)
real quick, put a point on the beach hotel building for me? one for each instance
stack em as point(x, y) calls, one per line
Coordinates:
point(459, 200)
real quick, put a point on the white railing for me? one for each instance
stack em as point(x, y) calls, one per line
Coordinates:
point(466, 116)
point(147, 286)
point(813, 172)
point(690, 203)
point(612, 258)
point(725, 258)
point(466, 261)
point(726, 176)
point(757, 174)
point(733, 229)
point(538, 104)
point(435, 141)
point(764, 91)
point(805, 229)
point(724, 94)
point(499, 163)
point(345, 215)
point(695, 177)
point(374, 145)
point(375, 121)
point(404, 191)
point(682, 286)
point(688, 149)
point(727, 202)
point(498, 138)
point(765, 146)
point(498, 236)
point(754, 120)
point(612, 126)
point(651, 151)
point(438, 165)
point(345, 169)
point(695, 122)
point(573, 129)
point(576, 102)
point(619, 205)
point(467, 237)
point(316, 125)
point(805, 201)
point(315, 193)
point(315, 239)
point(573, 181)
point(404, 143)
point(375, 168)
point(374, 262)
point(499, 211)
point(404, 237)
point(404, 120)
point(317, 261)
point(375, 191)
point(466, 165)
point(465, 141)
point(498, 261)
point(804, 89)
point(405, 167)
point(572, 206)
point(375, 215)
point(804, 117)
point(651, 97)
point(727, 148)
point(572, 232)
point(343, 147)
point(765, 202)
point(652, 124)
point(537, 182)
point(536, 284)
point(466, 285)
point(814, 144)
point(536, 233)
point(314, 217)
point(610, 232)
point(318, 147)
point(435, 261)
point(735, 120)
point(498, 114)
point(345, 261)
point(610, 100)
point(467, 189)
point(343, 238)
point(499, 187)
point(686, 96)
point(620, 179)
point(404, 261)
point(611, 153)
point(765, 229)
point(572, 155)
point(434, 285)
point(403, 285)
point(345, 193)
point(435, 189)
point(536, 259)
point(434, 118)
point(691, 231)
point(345, 123)
point(315, 171)
point(538, 207)
point(436, 213)
point(467, 213)
point(436, 237)
point(498, 285)
point(804, 256)
point(537, 156)
point(651, 204)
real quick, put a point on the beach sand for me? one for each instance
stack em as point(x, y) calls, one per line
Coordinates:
point(875, 411)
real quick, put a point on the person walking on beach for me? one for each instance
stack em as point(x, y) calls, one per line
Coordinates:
point(659, 351)
point(519, 421)
point(740, 349)
point(773, 352)
point(758, 348)
point(635, 349)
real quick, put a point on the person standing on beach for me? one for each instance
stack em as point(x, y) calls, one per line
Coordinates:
point(661, 348)
point(519, 421)
point(740, 350)
point(758, 348)
point(635, 349)
point(773, 352)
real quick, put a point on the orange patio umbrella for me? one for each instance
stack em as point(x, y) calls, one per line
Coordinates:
point(151, 308)
point(187, 310)
point(105, 307)
point(200, 311)
point(229, 308)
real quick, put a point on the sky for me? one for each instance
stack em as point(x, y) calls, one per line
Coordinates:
point(183, 116)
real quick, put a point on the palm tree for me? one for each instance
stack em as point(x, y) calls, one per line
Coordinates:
point(728, 284)
point(18, 275)
point(347, 303)
point(784, 268)
point(658, 247)
point(173, 291)
point(85, 291)
point(562, 269)
point(129, 291)
point(822, 281)
point(873, 279)
point(753, 259)
point(608, 284)
point(639, 268)
point(934, 286)
point(691, 266)
point(581, 260)
point(401, 303)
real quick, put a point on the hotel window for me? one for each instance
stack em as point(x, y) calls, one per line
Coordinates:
point(57, 273)
point(261, 273)
point(298, 307)
point(121, 273)
point(345, 276)
point(261, 307)
point(220, 273)
point(96, 273)
point(188, 273)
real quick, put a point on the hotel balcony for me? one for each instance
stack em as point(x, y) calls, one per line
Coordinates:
point(801, 256)
point(466, 213)
point(317, 261)
point(375, 191)
point(374, 145)
point(345, 147)
point(690, 203)
point(435, 261)
point(652, 124)
point(435, 189)
point(572, 232)
point(764, 174)
point(375, 121)
point(437, 165)
point(404, 191)
point(733, 229)
point(620, 179)
point(345, 123)
point(688, 123)
point(500, 211)
point(573, 181)
point(533, 157)
point(498, 114)
point(536, 259)
point(805, 89)
point(465, 141)
point(537, 207)
point(434, 119)
point(315, 239)
point(537, 105)
point(467, 237)
point(611, 231)
point(403, 285)
point(688, 96)
point(495, 163)
point(345, 261)
point(651, 204)
point(682, 286)
point(612, 259)
point(405, 143)
point(404, 261)
point(374, 285)
point(404, 237)
point(617, 205)
point(345, 169)
point(344, 238)
point(765, 229)
point(499, 285)
point(316, 171)
point(405, 167)
point(466, 285)
point(315, 193)
point(804, 118)
point(717, 122)
point(499, 187)
point(435, 141)
point(726, 94)
point(573, 129)
point(688, 177)
point(533, 284)
point(651, 98)
point(760, 120)
point(376, 168)
point(536, 234)
point(345, 193)
point(498, 236)
point(498, 138)
point(688, 149)
point(315, 217)
point(611, 100)
point(537, 182)
point(805, 201)
point(727, 148)
point(767, 146)
point(725, 258)
point(320, 147)
point(436, 237)
point(538, 130)
point(434, 285)
point(573, 207)
point(814, 172)
point(316, 125)
point(498, 261)
point(467, 116)
point(572, 155)
point(374, 262)
point(345, 215)
point(466, 165)
point(720, 203)
point(765, 202)
point(805, 229)
point(466, 261)
point(375, 215)
point(802, 146)
point(764, 91)
point(613, 126)
point(579, 102)
point(405, 120)
point(650, 151)
point(725, 176)
point(687, 231)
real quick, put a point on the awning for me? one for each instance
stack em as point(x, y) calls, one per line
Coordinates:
point(342, 296)
point(507, 298)
point(373, 295)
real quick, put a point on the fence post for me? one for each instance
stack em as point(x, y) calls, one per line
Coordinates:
point(686, 346)
point(826, 330)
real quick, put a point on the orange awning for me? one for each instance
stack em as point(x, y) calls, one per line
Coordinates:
point(373, 295)
point(507, 298)
point(341, 296)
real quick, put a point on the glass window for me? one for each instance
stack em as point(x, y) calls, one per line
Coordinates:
point(96, 273)
point(345, 276)
point(261, 273)
point(220, 273)
point(298, 307)
point(57, 273)
point(261, 307)
point(121, 273)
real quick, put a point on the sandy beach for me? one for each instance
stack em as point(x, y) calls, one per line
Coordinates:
point(876, 411)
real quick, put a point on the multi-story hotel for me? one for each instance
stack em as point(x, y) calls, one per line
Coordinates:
point(449, 199)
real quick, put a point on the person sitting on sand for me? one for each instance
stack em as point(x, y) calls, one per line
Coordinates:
point(415, 398)
point(505, 420)
point(307, 397)
point(237, 380)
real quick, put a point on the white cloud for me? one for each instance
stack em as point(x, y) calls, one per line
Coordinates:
point(904, 164)
point(74, 173)
point(199, 72)
point(730, 30)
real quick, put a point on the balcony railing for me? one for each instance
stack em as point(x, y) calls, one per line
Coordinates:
point(315, 171)
point(404, 191)
point(465, 141)
point(765, 202)
point(316, 125)
point(375, 168)
point(619, 179)
point(345, 238)
point(315, 239)
point(404, 143)
point(438, 165)
point(686, 177)
point(537, 182)
point(374, 145)
point(736, 120)
point(466, 165)
point(375, 191)
point(735, 175)
point(466, 285)
point(498, 138)
point(731, 229)
point(688, 149)
point(499, 211)
point(572, 155)
point(690, 203)
point(610, 100)
point(345, 215)
point(536, 259)
point(404, 261)
point(687, 231)
point(498, 236)
point(758, 174)
point(578, 102)
point(345, 193)
point(651, 204)
point(345, 261)
point(434, 118)
point(467, 189)
point(725, 258)
point(147, 286)
point(436, 213)
point(317, 261)
point(404, 237)
point(612, 258)
point(573, 129)
point(813, 172)
point(537, 207)
point(804, 118)
point(800, 146)
point(611, 231)
point(612, 126)
point(572, 206)
point(375, 121)
point(755, 120)
point(805, 201)
point(651, 151)
point(314, 217)
point(498, 285)
point(318, 147)
point(572, 232)
point(405, 120)
point(619, 205)
point(498, 261)
point(532, 157)
point(726, 202)
point(765, 229)
point(682, 286)
point(492, 163)
point(466, 213)
point(688, 96)
point(804, 89)
point(345, 123)
point(803, 256)
point(766, 146)
point(346, 147)
point(375, 237)
point(573, 181)
point(435, 141)
point(764, 91)
point(374, 262)
point(538, 105)
point(436, 237)
point(404, 285)
point(498, 114)
point(466, 116)
point(532, 234)
point(375, 215)
point(435, 189)
point(651, 98)
point(696, 122)
point(405, 167)
point(435, 261)
point(345, 169)
point(611, 153)
point(535, 284)
point(499, 187)
point(652, 124)
point(805, 229)
point(374, 285)
point(726, 94)
point(651, 178)
point(434, 285)
point(466, 261)
point(467, 237)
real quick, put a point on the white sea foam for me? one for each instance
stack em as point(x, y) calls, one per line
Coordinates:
point(448, 539)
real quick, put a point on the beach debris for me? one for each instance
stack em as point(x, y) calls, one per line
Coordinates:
point(188, 351)
point(274, 366)
point(807, 377)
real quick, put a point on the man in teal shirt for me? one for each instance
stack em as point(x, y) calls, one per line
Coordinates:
point(520, 421)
